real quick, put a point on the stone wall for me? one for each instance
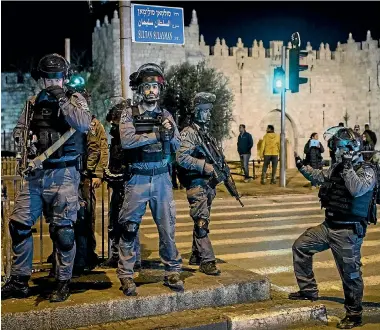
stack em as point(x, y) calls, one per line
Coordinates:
point(15, 90)
point(342, 84)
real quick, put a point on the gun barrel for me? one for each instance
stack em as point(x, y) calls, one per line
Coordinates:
point(241, 203)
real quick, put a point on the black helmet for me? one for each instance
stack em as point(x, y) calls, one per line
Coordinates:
point(53, 66)
point(343, 138)
point(147, 72)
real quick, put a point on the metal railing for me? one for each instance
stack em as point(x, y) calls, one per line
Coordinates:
point(7, 142)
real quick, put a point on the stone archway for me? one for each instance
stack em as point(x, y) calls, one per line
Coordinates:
point(273, 117)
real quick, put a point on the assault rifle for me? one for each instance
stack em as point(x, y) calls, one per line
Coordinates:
point(220, 165)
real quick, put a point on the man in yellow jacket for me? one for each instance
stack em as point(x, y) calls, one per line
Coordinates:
point(269, 151)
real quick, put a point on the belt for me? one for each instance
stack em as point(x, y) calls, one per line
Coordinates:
point(151, 172)
point(50, 166)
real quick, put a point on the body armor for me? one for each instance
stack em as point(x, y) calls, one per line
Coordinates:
point(145, 124)
point(48, 124)
point(191, 177)
point(341, 206)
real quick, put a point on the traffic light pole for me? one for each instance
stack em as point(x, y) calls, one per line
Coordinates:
point(282, 136)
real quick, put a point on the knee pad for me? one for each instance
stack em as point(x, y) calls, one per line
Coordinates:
point(63, 236)
point(19, 231)
point(129, 230)
point(201, 228)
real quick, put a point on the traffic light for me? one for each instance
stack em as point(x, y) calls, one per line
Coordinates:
point(278, 80)
point(294, 69)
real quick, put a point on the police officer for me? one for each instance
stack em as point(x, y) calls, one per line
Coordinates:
point(115, 176)
point(348, 193)
point(195, 173)
point(150, 135)
point(52, 189)
point(95, 163)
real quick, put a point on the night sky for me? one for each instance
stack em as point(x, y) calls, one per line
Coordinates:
point(32, 29)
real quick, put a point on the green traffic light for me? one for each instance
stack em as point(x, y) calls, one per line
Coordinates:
point(278, 80)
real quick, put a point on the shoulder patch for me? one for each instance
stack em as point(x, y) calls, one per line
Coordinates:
point(79, 101)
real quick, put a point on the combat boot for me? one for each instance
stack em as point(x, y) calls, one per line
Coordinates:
point(110, 262)
point(138, 266)
point(209, 268)
point(350, 322)
point(62, 291)
point(15, 287)
point(299, 295)
point(128, 286)
point(174, 282)
point(194, 259)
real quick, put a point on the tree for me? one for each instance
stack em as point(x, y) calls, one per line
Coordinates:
point(184, 81)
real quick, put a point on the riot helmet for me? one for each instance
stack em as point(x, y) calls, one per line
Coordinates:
point(53, 66)
point(148, 82)
point(342, 139)
point(203, 104)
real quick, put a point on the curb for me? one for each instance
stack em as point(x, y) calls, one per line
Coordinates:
point(277, 319)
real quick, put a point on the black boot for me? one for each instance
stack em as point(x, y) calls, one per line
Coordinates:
point(303, 296)
point(174, 282)
point(195, 259)
point(15, 287)
point(209, 268)
point(350, 322)
point(273, 181)
point(137, 267)
point(128, 286)
point(263, 179)
point(62, 291)
point(110, 262)
point(78, 271)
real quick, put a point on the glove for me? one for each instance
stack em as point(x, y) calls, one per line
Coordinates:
point(299, 162)
point(347, 160)
point(57, 92)
point(208, 169)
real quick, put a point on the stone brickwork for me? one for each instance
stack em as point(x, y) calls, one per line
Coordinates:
point(15, 90)
point(342, 84)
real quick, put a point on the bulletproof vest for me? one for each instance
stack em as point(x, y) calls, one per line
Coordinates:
point(117, 157)
point(341, 206)
point(144, 125)
point(49, 124)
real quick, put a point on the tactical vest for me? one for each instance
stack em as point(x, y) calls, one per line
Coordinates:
point(341, 207)
point(144, 124)
point(49, 124)
point(187, 177)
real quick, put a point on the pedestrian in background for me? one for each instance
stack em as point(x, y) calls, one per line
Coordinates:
point(244, 145)
point(313, 150)
point(269, 151)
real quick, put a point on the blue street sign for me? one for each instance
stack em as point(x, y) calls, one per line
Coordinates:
point(157, 24)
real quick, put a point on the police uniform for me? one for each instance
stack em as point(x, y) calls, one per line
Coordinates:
point(150, 182)
point(116, 179)
point(96, 160)
point(348, 193)
point(191, 159)
point(53, 189)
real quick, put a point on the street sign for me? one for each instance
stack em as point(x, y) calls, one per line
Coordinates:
point(157, 24)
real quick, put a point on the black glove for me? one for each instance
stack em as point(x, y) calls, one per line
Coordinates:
point(299, 162)
point(347, 160)
point(57, 92)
